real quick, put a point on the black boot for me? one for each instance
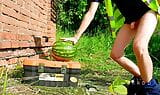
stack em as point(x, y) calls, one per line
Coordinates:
point(135, 86)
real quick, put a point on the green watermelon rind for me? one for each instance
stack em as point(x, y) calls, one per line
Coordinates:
point(64, 49)
point(64, 56)
point(64, 52)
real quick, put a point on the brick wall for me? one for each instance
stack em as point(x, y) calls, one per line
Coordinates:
point(27, 28)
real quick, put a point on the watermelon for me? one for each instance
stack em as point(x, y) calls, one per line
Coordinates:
point(63, 50)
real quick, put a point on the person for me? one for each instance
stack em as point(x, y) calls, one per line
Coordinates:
point(140, 23)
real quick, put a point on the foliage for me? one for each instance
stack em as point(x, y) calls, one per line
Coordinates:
point(4, 77)
point(92, 50)
point(117, 87)
point(5, 83)
point(71, 12)
point(154, 49)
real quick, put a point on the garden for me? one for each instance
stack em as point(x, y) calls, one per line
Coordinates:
point(100, 75)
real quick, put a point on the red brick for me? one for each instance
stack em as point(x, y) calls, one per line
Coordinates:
point(35, 57)
point(26, 4)
point(0, 7)
point(24, 18)
point(7, 36)
point(23, 24)
point(19, 22)
point(38, 29)
point(34, 22)
point(11, 4)
point(40, 5)
point(44, 17)
point(5, 44)
point(32, 44)
point(25, 37)
point(38, 33)
point(49, 5)
point(25, 12)
point(5, 54)
point(14, 14)
point(13, 60)
point(3, 62)
point(8, 20)
point(49, 27)
point(32, 27)
point(46, 1)
point(12, 36)
point(31, 4)
point(25, 31)
point(20, 2)
point(21, 59)
point(1, 1)
point(47, 44)
point(10, 28)
point(35, 17)
point(46, 6)
point(27, 52)
point(44, 29)
point(30, 51)
point(10, 12)
point(52, 40)
point(51, 34)
point(36, 10)
point(42, 11)
point(27, 1)
point(42, 2)
point(31, 32)
point(32, 8)
point(1, 27)
point(14, 1)
point(24, 44)
point(43, 25)
point(15, 44)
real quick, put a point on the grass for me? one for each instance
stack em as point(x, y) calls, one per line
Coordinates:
point(91, 50)
point(5, 82)
point(98, 70)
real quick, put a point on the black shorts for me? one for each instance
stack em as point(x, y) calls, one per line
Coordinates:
point(132, 10)
point(97, 1)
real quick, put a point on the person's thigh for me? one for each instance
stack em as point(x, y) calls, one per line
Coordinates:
point(144, 32)
point(145, 29)
point(124, 36)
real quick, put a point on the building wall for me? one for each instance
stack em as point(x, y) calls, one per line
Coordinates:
point(27, 28)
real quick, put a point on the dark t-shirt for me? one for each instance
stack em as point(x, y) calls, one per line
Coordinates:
point(132, 10)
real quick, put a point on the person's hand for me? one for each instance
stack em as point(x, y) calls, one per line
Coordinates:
point(73, 39)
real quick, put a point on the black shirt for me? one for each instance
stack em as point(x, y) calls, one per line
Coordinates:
point(132, 10)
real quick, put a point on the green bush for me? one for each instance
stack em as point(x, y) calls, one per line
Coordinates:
point(154, 50)
point(71, 12)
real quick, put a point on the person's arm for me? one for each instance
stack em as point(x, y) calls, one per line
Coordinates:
point(85, 22)
point(87, 19)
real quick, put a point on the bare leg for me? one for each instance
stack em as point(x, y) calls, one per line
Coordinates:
point(125, 35)
point(145, 30)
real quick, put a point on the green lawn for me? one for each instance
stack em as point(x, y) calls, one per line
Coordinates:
point(97, 73)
